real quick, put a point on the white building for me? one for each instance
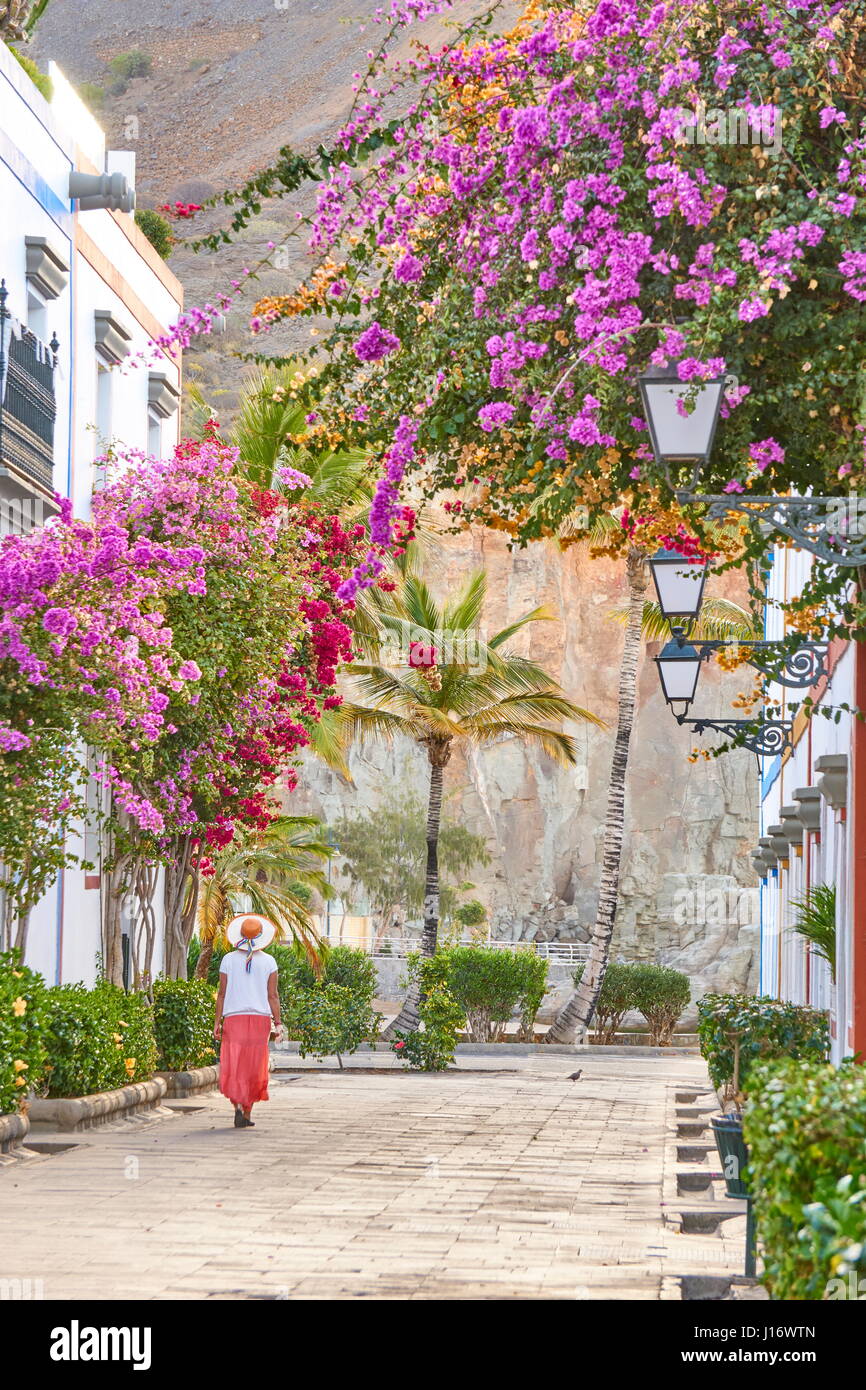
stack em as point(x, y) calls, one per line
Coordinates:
point(813, 829)
point(84, 292)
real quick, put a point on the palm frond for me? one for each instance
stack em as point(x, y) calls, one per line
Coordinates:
point(558, 746)
point(542, 614)
point(721, 620)
point(462, 613)
point(816, 922)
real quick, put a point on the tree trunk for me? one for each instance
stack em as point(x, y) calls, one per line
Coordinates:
point(116, 883)
point(438, 751)
point(181, 899)
point(578, 1010)
point(204, 960)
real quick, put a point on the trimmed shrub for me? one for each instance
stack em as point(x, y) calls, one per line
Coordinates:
point(96, 1039)
point(22, 1019)
point(737, 1030)
point(661, 995)
point(183, 1013)
point(344, 966)
point(330, 1020)
point(432, 1048)
point(157, 229)
point(39, 79)
point(805, 1126)
point(490, 984)
point(617, 997)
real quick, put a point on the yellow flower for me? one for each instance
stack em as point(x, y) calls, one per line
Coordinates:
point(117, 1038)
point(129, 1063)
point(19, 1007)
point(121, 1024)
point(19, 1081)
point(17, 974)
point(19, 1065)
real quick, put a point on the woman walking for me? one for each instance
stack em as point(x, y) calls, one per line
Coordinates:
point(247, 1001)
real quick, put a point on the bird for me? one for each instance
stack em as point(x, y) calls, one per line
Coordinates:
point(576, 1075)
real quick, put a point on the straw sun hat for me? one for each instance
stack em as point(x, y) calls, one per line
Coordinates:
point(250, 932)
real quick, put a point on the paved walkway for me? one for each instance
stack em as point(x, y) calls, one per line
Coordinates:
point(484, 1183)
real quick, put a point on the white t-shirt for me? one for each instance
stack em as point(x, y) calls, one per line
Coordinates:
point(247, 990)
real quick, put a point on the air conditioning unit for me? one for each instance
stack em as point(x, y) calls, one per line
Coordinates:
point(110, 191)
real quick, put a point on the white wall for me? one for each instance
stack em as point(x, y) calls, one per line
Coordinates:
point(38, 143)
point(786, 962)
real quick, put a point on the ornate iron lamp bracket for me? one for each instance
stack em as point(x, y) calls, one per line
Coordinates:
point(823, 526)
point(798, 670)
point(765, 737)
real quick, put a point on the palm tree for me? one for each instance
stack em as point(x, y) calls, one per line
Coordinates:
point(448, 687)
point(816, 922)
point(269, 872)
point(269, 419)
point(642, 618)
point(18, 19)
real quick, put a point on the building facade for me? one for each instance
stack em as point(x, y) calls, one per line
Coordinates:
point(83, 294)
point(813, 831)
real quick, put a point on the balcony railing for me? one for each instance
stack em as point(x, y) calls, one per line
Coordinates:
point(28, 408)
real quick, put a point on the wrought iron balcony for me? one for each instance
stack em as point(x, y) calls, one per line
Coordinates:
point(28, 408)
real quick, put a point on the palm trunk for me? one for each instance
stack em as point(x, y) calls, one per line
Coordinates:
point(438, 751)
point(431, 881)
point(578, 1010)
point(204, 959)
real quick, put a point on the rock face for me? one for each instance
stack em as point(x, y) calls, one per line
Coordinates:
point(688, 893)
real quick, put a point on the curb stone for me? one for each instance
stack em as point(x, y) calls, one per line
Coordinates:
point(180, 1084)
point(85, 1112)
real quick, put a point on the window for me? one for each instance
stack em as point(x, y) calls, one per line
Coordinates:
point(93, 801)
point(37, 315)
point(102, 438)
point(154, 434)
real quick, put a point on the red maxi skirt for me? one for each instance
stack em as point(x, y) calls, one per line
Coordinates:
point(244, 1058)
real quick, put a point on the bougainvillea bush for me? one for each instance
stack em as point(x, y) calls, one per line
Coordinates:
point(556, 207)
point(189, 633)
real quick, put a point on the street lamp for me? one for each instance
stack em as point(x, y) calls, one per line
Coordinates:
point(679, 585)
point(682, 418)
point(679, 666)
point(681, 415)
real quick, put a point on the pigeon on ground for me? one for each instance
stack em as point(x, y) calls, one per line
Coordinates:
point(576, 1075)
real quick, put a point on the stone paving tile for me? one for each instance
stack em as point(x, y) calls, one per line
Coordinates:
point(514, 1184)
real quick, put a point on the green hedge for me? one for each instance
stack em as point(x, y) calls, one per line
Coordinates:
point(805, 1126)
point(97, 1039)
point(183, 1016)
point(656, 991)
point(738, 1030)
point(489, 984)
point(329, 1020)
point(157, 229)
point(615, 1000)
point(22, 1043)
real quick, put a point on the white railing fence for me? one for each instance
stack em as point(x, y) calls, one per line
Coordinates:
point(570, 952)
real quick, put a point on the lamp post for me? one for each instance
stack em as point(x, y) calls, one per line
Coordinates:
point(682, 419)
